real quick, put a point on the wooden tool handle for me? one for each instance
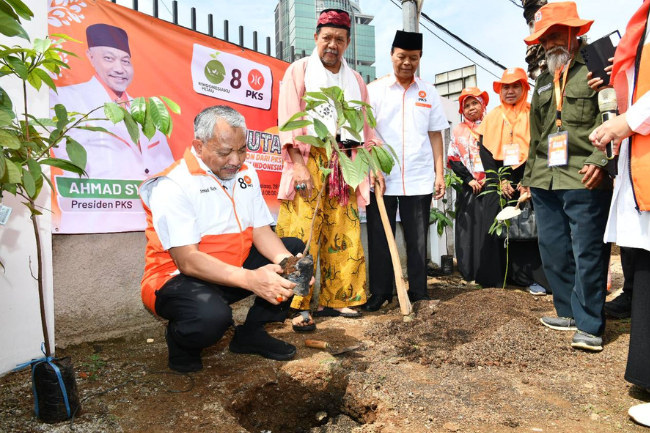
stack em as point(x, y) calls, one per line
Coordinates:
point(402, 295)
point(317, 344)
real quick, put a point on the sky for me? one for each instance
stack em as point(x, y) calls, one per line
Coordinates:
point(496, 27)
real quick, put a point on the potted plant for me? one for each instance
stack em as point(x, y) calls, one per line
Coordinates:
point(351, 116)
point(25, 148)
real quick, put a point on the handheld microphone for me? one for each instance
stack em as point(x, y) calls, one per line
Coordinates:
point(608, 105)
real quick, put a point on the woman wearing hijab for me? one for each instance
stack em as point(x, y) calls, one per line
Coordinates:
point(505, 139)
point(465, 161)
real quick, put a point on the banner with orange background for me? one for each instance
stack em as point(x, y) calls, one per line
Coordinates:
point(194, 70)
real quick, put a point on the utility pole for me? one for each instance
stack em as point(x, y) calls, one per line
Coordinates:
point(535, 54)
point(411, 18)
point(411, 15)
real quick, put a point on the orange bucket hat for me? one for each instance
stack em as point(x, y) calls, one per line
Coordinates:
point(512, 75)
point(560, 13)
point(475, 92)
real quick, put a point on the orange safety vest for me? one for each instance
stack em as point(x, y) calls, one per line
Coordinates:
point(640, 144)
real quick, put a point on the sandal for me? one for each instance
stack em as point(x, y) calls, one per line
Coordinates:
point(306, 326)
point(331, 312)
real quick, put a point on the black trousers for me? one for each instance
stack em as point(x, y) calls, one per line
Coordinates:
point(638, 367)
point(414, 213)
point(199, 312)
point(571, 225)
point(627, 264)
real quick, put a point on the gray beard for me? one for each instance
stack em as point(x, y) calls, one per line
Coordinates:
point(556, 58)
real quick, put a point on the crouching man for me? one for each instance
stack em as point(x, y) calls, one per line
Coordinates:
point(209, 244)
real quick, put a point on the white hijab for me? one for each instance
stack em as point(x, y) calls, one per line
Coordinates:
point(316, 76)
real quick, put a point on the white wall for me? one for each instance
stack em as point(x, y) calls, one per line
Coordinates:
point(437, 244)
point(20, 324)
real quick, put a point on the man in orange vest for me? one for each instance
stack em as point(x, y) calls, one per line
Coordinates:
point(210, 244)
point(629, 218)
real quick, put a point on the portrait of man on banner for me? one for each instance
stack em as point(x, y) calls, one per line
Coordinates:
point(115, 164)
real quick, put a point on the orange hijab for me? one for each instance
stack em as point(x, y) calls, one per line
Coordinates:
point(504, 119)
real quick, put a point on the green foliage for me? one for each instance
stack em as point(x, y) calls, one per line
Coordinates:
point(351, 116)
point(443, 218)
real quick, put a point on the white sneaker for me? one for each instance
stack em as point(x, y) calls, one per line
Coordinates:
point(640, 414)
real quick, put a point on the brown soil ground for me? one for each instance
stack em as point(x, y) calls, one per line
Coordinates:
point(476, 361)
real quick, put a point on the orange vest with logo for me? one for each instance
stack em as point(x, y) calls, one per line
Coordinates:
point(640, 144)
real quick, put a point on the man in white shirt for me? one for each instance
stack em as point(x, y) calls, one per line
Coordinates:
point(210, 243)
point(410, 118)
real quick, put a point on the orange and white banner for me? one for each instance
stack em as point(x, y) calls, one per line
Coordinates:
point(194, 70)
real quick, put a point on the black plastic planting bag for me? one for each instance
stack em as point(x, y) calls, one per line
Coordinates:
point(55, 390)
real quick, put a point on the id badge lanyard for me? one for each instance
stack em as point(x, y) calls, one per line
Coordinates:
point(511, 150)
point(475, 161)
point(558, 143)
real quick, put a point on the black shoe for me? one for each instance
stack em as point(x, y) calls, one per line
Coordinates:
point(619, 307)
point(182, 359)
point(259, 342)
point(375, 302)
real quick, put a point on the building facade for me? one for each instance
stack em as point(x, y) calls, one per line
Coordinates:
point(295, 23)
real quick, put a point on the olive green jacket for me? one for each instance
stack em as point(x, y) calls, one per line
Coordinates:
point(580, 116)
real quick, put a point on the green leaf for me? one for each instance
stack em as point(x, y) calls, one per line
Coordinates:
point(13, 173)
point(176, 109)
point(350, 171)
point(354, 133)
point(64, 36)
point(46, 78)
point(93, 128)
point(60, 50)
point(29, 184)
point(385, 161)
point(325, 171)
point(3, 165)
point(42, 45)
point(159, 115)
point(113, 112)
point(149, 130)
point(34, 80)
point(76, 152)
point(315, 95)
point(45, 122)
point(297, 124)
point(499, 229)
point(63, 165)
point(132, 127)
point(372, 122)
point(21, 9)
point(34, 168)
point(311, 140)
point(364, 104)
point(10, 27)
point(61, 116)
point(297, 116)
point(9, 140)
point(351, 116)
point(19, 67)
point(139, 109)
point(321, 129)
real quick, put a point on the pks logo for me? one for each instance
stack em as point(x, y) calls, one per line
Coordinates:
point(245, 182)
point(422, 94)
point(256, 81)
point(511, 71)
point(538, 16)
